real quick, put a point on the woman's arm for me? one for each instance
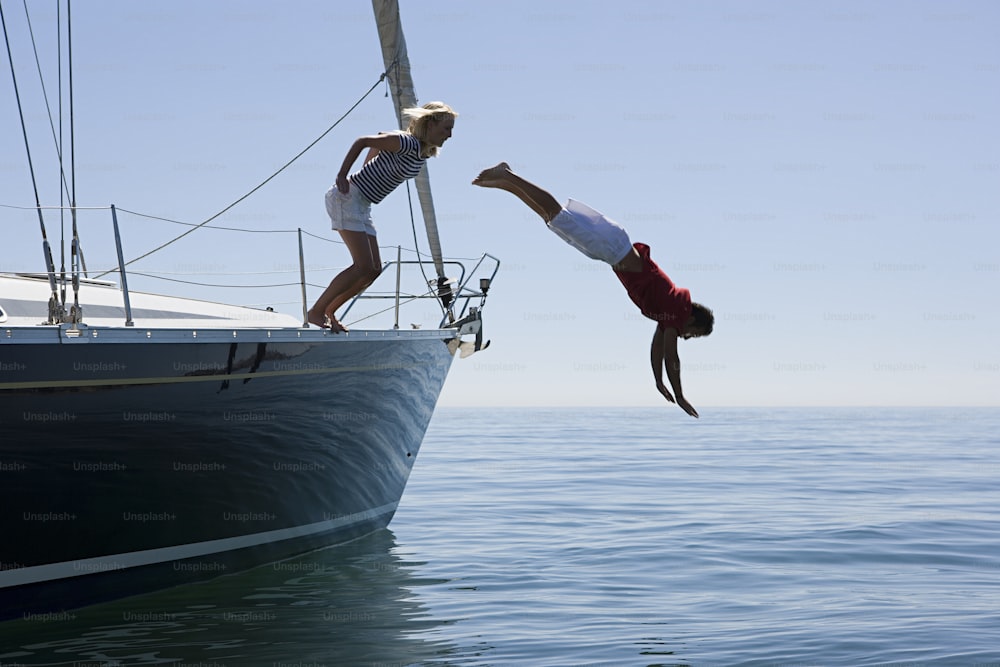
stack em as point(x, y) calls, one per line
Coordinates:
point(376, 142)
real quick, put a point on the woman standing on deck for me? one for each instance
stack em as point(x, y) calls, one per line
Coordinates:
point(392, 158)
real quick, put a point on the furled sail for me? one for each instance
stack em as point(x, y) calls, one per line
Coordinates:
point(397, 65)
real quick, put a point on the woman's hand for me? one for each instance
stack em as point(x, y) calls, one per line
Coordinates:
point(342, 184)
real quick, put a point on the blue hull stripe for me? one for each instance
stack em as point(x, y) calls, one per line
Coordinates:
point(104, 564)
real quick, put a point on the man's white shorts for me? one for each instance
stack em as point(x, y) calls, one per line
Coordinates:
point(351, 212)
point(590, 232)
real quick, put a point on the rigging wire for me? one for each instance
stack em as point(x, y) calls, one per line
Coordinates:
point(76, 253)
point(57, 140)
point(416, 243)
point(59, 146)
point(76, 249)
point(262, 183)
point(46, 248)
point(63, 184)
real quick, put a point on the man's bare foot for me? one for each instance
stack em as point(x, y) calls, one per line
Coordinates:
point(493, 177)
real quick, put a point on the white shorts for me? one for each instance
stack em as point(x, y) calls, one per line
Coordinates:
point(590, 232)
point(351, 212)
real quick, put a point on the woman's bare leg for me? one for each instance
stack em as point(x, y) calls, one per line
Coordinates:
point(350, 282)
point(540, 201)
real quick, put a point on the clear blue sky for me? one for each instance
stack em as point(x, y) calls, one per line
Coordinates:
point(823, 175)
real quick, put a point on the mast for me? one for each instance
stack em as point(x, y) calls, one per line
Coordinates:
point(397, 68)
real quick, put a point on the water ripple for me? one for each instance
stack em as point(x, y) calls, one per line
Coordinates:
point(619, 537)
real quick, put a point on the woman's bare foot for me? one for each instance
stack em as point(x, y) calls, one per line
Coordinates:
point(334, 325)
point(316, 320)
point(326, 322)
point(493, 177)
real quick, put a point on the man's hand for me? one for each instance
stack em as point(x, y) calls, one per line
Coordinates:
point(687, 407)
point(662, 388)
point(663, 352)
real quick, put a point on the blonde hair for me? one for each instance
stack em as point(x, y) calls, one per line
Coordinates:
point(421, 116)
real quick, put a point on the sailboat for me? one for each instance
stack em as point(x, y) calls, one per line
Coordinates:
point(151, 440)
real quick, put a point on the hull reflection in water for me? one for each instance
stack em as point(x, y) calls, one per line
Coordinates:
point(347, 605)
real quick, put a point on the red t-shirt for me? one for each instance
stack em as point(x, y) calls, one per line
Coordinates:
point(655, 294)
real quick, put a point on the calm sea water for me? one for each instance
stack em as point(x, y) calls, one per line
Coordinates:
point(618, 537)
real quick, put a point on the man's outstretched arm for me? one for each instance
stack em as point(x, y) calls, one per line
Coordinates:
point(657, 362)
point(663, 353)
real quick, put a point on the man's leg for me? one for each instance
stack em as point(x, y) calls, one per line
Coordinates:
point(540, 201)
point(585, 229)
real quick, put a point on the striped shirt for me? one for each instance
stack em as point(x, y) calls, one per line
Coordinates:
point(387, 170)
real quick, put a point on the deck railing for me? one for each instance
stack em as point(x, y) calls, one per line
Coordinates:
point(455, 296)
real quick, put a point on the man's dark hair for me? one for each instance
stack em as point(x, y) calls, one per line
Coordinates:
point(704, 319)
